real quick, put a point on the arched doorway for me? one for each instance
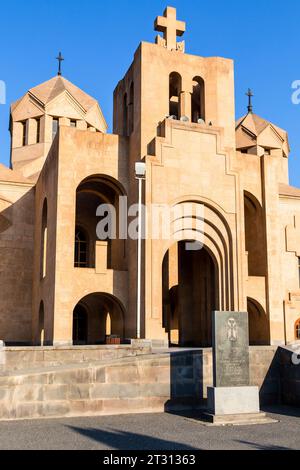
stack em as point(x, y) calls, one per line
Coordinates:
point(259, 328)
point(80, 325)
point(96, 316)
point(190, 295)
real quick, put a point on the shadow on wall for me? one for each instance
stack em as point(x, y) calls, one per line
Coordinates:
point(269, 393)
point(289, 364)
point(190, 374)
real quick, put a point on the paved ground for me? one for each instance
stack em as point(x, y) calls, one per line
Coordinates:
point(150, 432)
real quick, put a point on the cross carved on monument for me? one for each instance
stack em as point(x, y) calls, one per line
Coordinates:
point(170, 27)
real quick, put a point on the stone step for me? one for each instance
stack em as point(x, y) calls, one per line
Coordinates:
point(87, 407)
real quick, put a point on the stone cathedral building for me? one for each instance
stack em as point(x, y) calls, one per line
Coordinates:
point(61, 284)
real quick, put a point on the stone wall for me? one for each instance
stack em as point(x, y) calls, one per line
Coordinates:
point(72, 382)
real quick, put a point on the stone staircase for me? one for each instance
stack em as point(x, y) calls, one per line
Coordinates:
point(140, 384)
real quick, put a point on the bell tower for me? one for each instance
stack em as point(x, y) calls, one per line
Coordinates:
point(164, 82)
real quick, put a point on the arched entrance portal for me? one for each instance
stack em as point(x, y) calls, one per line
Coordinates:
point(96, 316)
point(190, 294)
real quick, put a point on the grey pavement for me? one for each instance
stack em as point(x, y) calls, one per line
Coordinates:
point(160, 431)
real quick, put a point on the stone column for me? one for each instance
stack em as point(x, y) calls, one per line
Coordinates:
point(185, 101)
point(31, 131)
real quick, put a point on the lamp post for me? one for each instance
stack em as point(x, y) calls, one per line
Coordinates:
point(140, 174)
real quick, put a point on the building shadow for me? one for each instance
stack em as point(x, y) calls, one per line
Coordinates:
point(258, 446)
point(125, 440)
point(270, 390)
point(187, 385)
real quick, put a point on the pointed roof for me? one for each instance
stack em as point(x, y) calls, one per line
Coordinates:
point(254, 126)
point(43, 98)
point(49, 90)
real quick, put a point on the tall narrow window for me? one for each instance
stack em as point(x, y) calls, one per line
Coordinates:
point(125, 116)
point(44, 237)
point(38, 130)
point(198, 100)
point(81, 249)
point(297, 329)
point(24, 127)
point(55, 123)
point(174, 94)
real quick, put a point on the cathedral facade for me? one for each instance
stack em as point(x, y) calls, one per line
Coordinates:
point(61, 284)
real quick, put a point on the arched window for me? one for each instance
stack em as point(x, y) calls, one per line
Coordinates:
point(297, 329)
point(125, 116)
point(198, 99)
point(174, 94)
point(79, 325)
point(81, 249)
point(44, 236)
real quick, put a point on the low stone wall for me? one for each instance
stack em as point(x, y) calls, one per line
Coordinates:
point(12, 358)
point(140, 382)
point(129, 385)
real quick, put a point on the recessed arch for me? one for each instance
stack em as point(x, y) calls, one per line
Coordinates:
point(198, 99)
point(80, 325)
point(190, 293)
point(175, 88)
point(92, 192)
point(255, 235)
point(215, 233)
point(98, 307)
point(259, 326)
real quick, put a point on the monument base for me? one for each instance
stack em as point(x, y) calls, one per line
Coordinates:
point(232, 400)
point(209, 419)
point(235, 406)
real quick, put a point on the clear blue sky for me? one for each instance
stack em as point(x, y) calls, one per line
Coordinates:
point(98, 39)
